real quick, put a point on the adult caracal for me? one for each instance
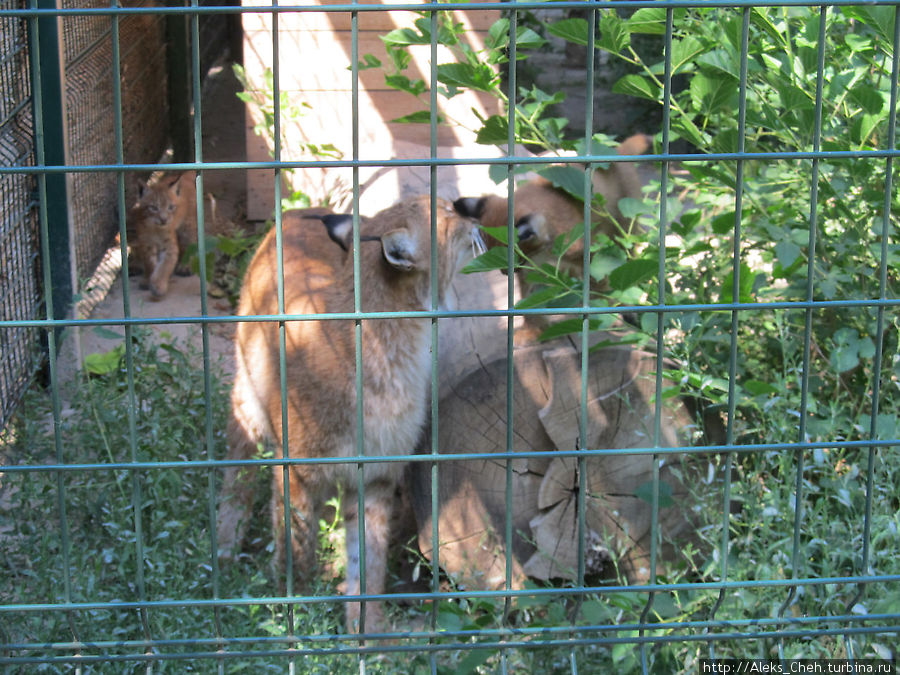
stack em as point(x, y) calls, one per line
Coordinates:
point(543, 212)
point(395, 265)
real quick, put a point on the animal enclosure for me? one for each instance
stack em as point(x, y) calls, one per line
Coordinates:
point(665, 438)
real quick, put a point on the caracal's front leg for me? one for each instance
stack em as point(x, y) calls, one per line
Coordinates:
point(378, 503)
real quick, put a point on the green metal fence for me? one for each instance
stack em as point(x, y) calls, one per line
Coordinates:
point(121, 608)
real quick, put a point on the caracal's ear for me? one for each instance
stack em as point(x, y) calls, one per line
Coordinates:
point(340, 228)
point(471, 207)
point(177, 182)
point(637, 144)
point(528, 227)
point(400, 249)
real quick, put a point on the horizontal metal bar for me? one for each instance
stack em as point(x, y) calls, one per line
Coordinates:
point(438, 7)
point(450, 314)
point(448, 457)
point(453, 646)
point(505, 632)
point(449, 595)
point(716, 157)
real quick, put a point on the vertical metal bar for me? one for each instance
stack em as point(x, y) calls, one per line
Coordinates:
point(435, 390)
point(807, 331)
point(204, 308)
point(282, 333)
point(510, 329)
point(136, 487)
point(583, 443)
point(177, 83)
point(49, 86)
point(357, 306)
point(735, 294)
point(879, 335)
point(45, 53)
point(660, 326)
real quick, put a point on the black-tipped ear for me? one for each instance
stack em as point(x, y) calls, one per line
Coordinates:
point(525, 228)
point(340, 227)
point(470, 207)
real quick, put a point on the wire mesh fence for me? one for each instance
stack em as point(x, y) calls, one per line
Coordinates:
point(20, 294)
point(713, 477)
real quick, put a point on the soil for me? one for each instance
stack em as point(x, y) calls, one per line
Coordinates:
point(223, 141)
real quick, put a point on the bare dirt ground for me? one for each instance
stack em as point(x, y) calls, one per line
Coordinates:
point(223, 140)
point(224, 131)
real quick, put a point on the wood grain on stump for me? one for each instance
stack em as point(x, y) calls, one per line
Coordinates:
point(543, 493)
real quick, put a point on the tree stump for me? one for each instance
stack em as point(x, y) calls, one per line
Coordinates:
point(543, 492)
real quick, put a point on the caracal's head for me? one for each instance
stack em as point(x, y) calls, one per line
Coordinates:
point(543, 213)
point(404, 231)
point(167, 199)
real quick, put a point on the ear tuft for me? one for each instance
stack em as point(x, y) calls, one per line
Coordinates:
point(400, 249)
point(471, 207)
point(340, 228)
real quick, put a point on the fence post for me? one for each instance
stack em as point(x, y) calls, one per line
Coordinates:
point(54, 145)
point(178, 70)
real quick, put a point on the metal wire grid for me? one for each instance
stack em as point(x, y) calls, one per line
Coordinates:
point(87, 46)
point(641, 634)
point(19, 291)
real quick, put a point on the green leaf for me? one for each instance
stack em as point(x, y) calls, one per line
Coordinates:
point(106, 333)
point(745, 292)
point(539, 298)
point(493, 259)
point(472, 661)
point(633, 273)
point(630, 207)
point(405, 36)
point(787, 252)
point(602, 265)
point(501, 234)
point(418, 117)
point(494, 130)
point(403, 83)
point(369, 61)
point(637, 85)
point(645, 492)
point(758, 388)
point(879, 19)
point(615, 35)
point(480, 77)
point(868, 125)
point(104, 363)
point(648, 20)
point(572, 30)
point(844, 358)
point(572, 326)
point(724, 223)
point(721, 60)
point(686, 128)
point(567, 178)
point(498, 34)
point(867, 97)
point(684, 51)
point(528, 39)
point(597, 611)
point(712, 93)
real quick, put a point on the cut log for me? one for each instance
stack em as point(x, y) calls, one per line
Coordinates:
point(472, 493)
point(543, 492)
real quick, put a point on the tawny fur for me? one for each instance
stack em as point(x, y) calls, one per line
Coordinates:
point(550, 212)
point(321, 389)
point(164, 222)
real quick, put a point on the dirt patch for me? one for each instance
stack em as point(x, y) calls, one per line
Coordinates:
point(223, 141)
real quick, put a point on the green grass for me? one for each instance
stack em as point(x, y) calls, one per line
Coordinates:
point(170, 419)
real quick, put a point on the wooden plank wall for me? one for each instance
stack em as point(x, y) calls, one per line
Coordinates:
point(315, 58)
